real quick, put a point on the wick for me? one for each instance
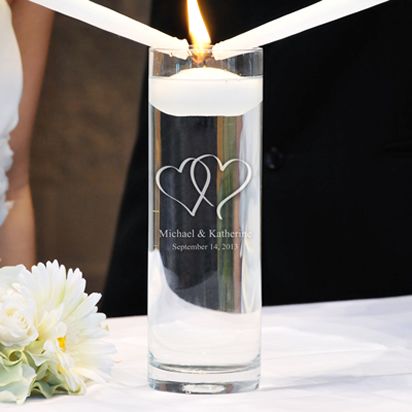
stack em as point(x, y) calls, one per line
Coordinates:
point(200, 56)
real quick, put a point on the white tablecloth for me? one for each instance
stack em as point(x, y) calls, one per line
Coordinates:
point(353, 356)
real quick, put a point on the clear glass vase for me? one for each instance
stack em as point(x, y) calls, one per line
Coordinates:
point(204, 311)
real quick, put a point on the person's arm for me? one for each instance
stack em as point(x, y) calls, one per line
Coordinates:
point(32, 25)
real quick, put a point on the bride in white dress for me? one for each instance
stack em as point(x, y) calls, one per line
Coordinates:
point(24, 35)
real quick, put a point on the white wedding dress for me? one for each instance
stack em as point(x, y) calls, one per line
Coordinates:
point(11, 83)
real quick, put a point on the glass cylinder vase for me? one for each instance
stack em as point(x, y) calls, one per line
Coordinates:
point(204, 280)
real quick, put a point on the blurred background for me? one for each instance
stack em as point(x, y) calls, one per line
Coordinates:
point(83, 140)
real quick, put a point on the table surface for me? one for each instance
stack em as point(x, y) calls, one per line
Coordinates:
point(328, 357)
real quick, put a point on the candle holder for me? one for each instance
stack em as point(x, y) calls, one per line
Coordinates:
point(204, 309)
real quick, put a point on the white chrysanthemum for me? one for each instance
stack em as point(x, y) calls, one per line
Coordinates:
point(16, 309)
point(69, 348)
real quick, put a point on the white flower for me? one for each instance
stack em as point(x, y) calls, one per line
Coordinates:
point(50, 333)
point(16, 309)
point(69, 344)
point(16, 377)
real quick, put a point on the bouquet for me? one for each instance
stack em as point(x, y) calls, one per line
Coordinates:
point(50, 333)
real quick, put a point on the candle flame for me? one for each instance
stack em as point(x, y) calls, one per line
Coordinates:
point(198, 31)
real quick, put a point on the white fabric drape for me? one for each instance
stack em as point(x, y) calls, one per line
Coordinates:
point(11, 79)
point(353, 356)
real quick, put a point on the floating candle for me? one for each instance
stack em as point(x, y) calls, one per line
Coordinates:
point(205, 91)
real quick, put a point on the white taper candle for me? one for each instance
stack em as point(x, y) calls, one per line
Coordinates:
point(114, 22)
point(320, 13)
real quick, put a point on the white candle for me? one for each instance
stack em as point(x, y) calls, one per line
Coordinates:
point(205, 91)
point(113, 22)
point(307, 18)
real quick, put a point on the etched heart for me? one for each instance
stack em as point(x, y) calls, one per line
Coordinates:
point(222, 168)
point(180, 169)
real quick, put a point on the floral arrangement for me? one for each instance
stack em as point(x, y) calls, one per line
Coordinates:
point(50, 333)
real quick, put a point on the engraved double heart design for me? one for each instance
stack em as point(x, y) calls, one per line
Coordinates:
point(203, 190)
